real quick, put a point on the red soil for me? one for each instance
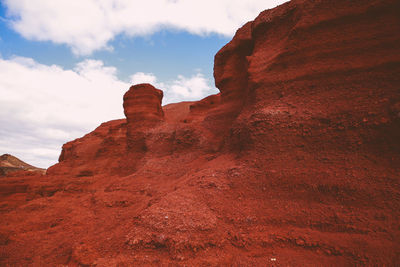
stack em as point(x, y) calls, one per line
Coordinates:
point(295, 163)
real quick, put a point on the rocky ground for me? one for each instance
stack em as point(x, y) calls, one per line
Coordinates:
point(296, 162)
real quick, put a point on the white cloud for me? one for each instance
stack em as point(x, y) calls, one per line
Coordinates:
point(190, 88)
point(182, 88)
point(42, 107)
point(141, 77)
point(89, 25)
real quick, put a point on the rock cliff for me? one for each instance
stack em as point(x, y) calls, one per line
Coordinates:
point(295, 162)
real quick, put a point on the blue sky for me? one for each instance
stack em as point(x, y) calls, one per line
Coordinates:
point(165, 53)
point(64, 65)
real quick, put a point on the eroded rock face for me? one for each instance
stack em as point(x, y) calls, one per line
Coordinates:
point(231, 64)
point(115, 146)
point(142, 105)
point(295, 163)
point(332, 76)
point(100, 151)
point(142, 108)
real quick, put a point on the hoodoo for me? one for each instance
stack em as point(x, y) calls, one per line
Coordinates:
point(296, 162)
point(142, 105)
point(142, 108)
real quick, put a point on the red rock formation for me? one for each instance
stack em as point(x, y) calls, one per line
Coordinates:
point(97, 152)
point(142, 105)
point(115, 146)
point(142, 108)
point(295, 163)
point(206, 104)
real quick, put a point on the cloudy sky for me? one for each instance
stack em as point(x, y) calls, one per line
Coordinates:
point(65, 64)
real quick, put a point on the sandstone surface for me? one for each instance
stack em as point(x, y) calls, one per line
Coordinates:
point(296, 162)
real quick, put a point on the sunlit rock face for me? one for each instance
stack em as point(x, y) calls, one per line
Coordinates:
point(142, 105)
point(296, 162)
point(142, 108)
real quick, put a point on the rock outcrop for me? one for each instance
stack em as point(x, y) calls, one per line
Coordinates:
point(142, 105)
point(295, 162)
point(142, 108)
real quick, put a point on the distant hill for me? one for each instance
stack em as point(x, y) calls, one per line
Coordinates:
point(9, 163)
